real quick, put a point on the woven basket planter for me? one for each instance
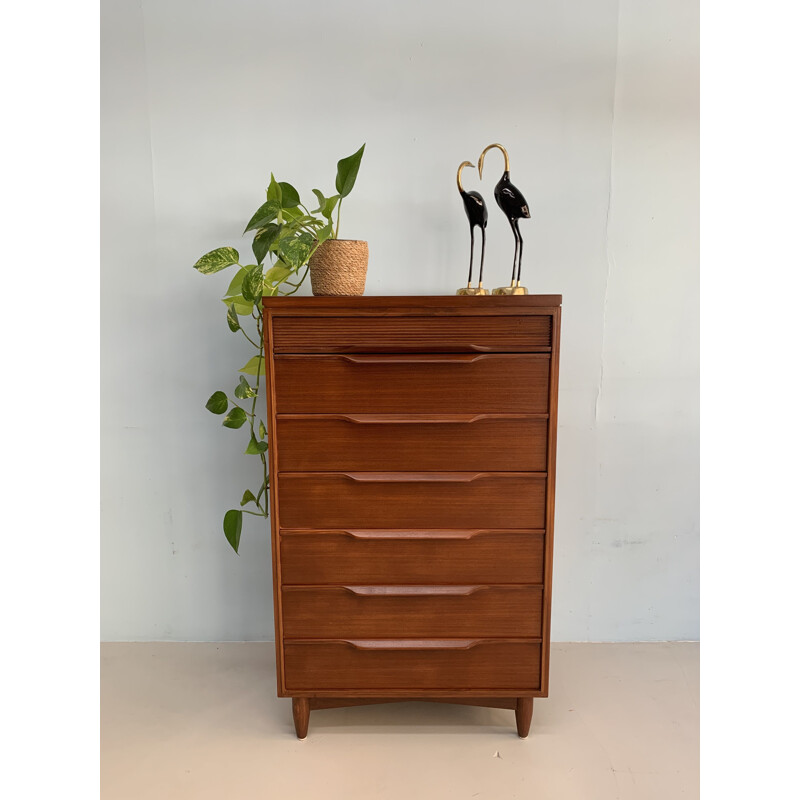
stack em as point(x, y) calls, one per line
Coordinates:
point(339, 267)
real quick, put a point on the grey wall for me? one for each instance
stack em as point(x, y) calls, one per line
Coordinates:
point(597, 102)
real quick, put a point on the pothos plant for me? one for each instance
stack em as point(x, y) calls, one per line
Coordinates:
point(286, 236)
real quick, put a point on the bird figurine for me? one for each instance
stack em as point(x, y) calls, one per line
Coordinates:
point(477, 214)
point(515, 207)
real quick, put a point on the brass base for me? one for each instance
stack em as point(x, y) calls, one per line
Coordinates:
point(510, 290)
point(472, 290)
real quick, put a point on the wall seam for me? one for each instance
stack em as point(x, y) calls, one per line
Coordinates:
point(609, 253)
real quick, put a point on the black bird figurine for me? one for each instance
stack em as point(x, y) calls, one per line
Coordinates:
point(515, 207)
point(477, 214)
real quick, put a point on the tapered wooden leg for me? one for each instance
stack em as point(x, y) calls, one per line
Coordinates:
point(524, 714)
point(301, 712)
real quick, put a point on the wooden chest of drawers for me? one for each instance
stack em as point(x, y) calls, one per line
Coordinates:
point(412, 463)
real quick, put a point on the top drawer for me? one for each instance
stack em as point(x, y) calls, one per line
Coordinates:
point(446, 334)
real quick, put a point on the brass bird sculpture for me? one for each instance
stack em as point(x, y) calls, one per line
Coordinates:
point(478, 215)
point(515, 207)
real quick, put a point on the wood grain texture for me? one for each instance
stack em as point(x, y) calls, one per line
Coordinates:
point(422, 305)
point(550, 509)
point(346, 702)
point(318, 442)
point(451, 334)
point(272, 493)
point(490, 664)
point(412, 500)
point(411, 557)
point(408, 384)
point(416, 612)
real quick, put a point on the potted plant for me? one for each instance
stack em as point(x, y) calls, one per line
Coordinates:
point(287, 237)
point(339, 266)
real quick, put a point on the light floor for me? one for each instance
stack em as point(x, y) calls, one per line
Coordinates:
point(202, 721)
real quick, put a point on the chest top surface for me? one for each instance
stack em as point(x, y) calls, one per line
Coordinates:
point(423, 304)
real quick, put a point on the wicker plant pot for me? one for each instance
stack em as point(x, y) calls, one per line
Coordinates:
point(339, 267)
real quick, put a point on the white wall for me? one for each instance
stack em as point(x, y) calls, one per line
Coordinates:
point(597, 103)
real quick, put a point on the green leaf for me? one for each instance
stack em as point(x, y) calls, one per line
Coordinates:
point(232, 527)
point(235, 419)
point(217, 403)
point(248, 497)
point(347, 171)
point(274, 190)
point(262, 429)
point(263, 216)
point(330, 206)
point(217, 260)
point(251, 367)
point(235, 286)
point(286, 232)
point(233, 319)
point(277, 273)
point(292, 215)
point(244, 390)
point(294, 252)
point(264, 238)
point(251, 285)
point(241, 305)
point(327, 205)
point(289, 196)
point(325, 233)
point(320, 199)
point(255, 447)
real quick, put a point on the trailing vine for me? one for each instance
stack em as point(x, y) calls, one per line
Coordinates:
point(286, 236)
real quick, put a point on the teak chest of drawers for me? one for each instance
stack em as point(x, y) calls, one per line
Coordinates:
point(412, 462)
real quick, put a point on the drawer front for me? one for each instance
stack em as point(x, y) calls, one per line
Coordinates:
point(409, 557)
point(406, 442)
point(405, 384)
point(444, 334)
point(386, 664)
point(364, 612)
point(411, 500)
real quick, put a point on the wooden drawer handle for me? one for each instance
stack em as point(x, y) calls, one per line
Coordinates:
point(413, 591)
point(415, 477)
point(426, 535)
point(413, 644)
point(422, 359)
point(409, 419)
point(378, 534)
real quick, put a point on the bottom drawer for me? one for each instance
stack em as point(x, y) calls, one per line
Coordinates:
point(413, 664)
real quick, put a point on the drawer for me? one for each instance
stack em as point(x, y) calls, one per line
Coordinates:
point(407, 384)
point(444, 334)
point(412, 442)
point(396, 556)
point(412, 664)
point(405, 612)
point(354, 500)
